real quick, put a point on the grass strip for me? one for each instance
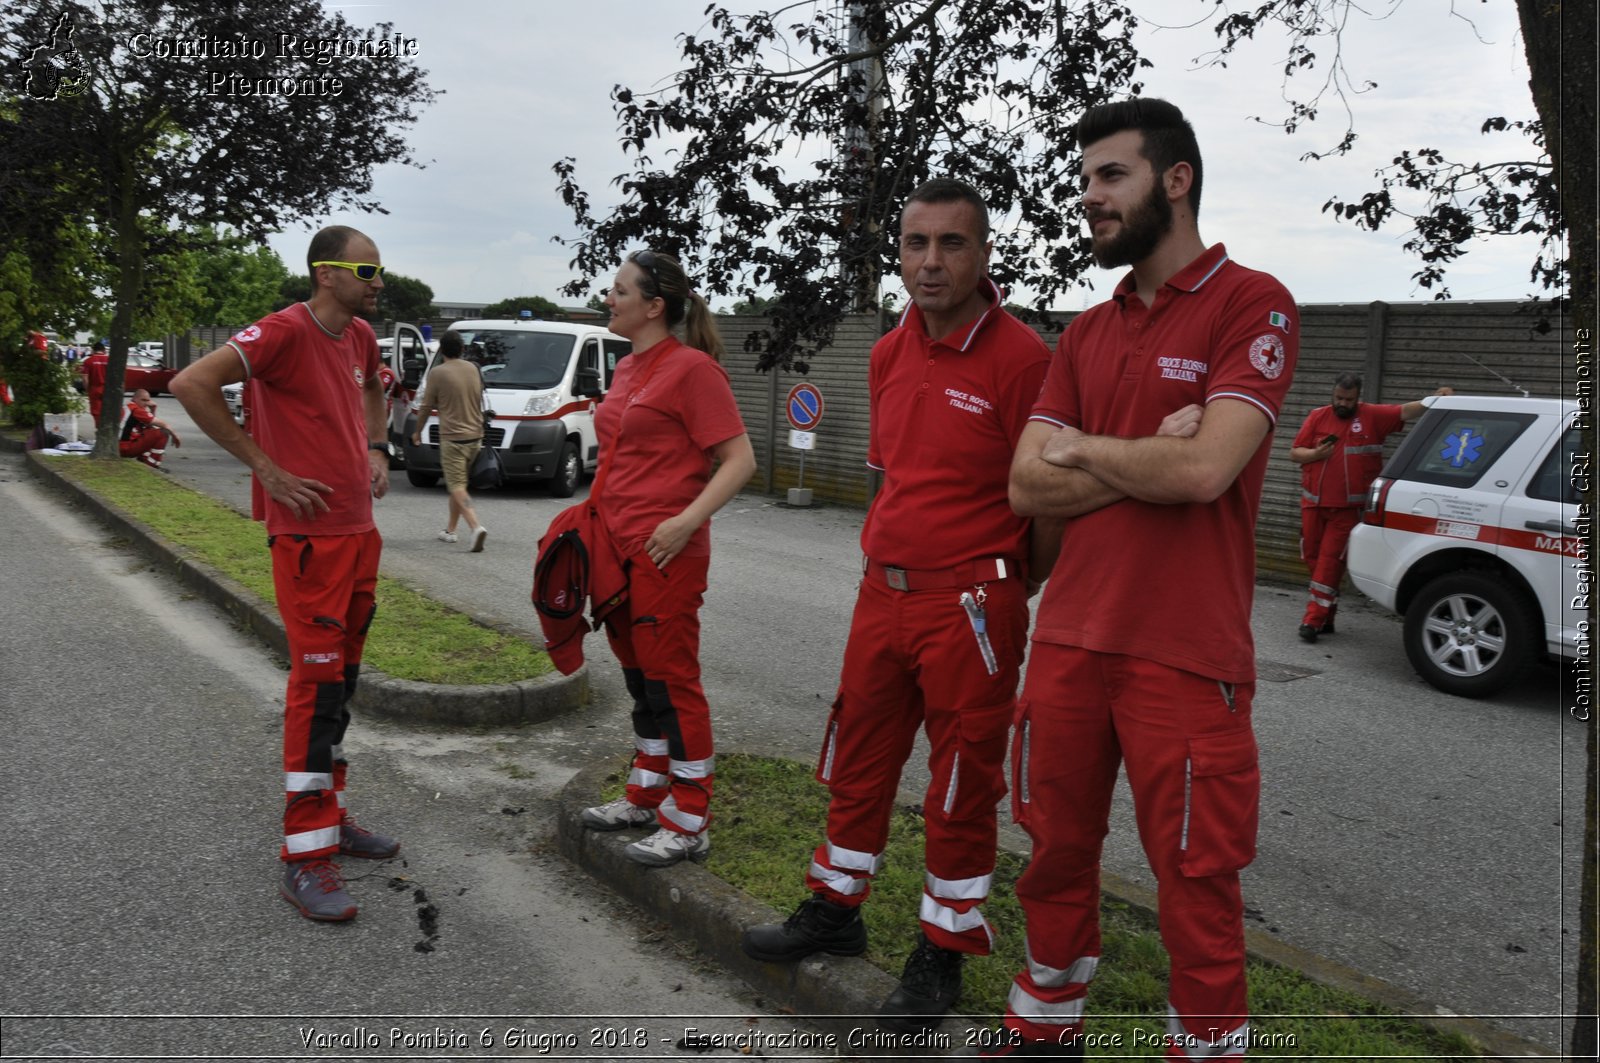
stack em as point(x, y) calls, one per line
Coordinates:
point(770, 814)
point(412, 636)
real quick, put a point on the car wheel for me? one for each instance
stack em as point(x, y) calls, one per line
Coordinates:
point(1470, 633)
point(569, 473)
point(422, 479)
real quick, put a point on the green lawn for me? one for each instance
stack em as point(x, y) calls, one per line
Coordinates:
point(770, 815)
point(412, 636)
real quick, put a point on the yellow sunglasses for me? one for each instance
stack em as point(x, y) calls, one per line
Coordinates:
point(364, 271)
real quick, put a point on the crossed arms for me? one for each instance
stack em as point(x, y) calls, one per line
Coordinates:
point(1193, 457)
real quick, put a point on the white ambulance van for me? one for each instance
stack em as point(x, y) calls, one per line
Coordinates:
point(542, 380)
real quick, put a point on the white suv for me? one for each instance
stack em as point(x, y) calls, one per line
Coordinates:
point(1473, 534)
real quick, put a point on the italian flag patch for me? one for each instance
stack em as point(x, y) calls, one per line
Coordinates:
point(1277, 320)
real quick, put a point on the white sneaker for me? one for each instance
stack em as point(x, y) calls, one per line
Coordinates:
point(446, 537)
point(666, 847)
point(479, 534)
point(615, 815)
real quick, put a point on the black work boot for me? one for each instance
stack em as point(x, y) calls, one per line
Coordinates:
point(816, 926)
point(930, 984)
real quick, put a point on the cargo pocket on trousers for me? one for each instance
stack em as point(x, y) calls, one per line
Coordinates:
point(830, 740)
point(1020, 781)
point(1221, 805)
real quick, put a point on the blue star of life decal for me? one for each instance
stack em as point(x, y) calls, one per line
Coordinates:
point(1463, 448)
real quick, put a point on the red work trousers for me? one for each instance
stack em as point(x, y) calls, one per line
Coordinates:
point(1191, 759)
point(149, 447)
point(1324, 542)
point(655, 634)
point(325, 587)
point(912, 660)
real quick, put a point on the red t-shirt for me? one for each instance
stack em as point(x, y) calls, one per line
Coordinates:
point(671, 404)
point(1168, 583)
point(94, 374)
point(1341, 481)
point(307, 412)
point(137, 421)
point(946, 416)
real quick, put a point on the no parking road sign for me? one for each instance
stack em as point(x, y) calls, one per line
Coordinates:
point(804, 407)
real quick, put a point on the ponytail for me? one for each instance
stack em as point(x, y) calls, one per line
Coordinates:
point(664, 279)
point(700, 328)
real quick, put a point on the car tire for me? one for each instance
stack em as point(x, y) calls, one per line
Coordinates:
point(1470, 633)
point(569, 472)
point(422, 479)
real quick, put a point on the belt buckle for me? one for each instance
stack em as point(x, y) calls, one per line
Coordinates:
point(896, 578)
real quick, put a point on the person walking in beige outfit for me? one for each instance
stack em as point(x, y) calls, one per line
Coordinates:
point(455, 393)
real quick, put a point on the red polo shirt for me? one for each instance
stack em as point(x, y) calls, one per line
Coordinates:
point(1169, 583)
point(1341, 481)
point(307, 411)
point(671, 404)
point(946, 416)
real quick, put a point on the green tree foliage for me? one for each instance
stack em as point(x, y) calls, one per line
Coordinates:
point(405, 299)
point(148, 149)
point(509, 308)
point(294, 289)
point(238, 280)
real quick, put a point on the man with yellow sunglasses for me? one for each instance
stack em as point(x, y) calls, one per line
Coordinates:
point(317, 449)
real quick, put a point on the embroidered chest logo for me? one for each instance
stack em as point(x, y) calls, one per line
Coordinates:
point(1190, 369)
point(1267, 354)
point(361, 378)
point(971, 403)
point(1355, 427)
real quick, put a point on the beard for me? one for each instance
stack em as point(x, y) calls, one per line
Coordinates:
point(1344, 413)
point(1142, 229)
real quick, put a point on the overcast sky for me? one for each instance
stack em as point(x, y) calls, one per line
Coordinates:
point(529, 82)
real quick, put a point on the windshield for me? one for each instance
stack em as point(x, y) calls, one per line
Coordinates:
point(516, 359)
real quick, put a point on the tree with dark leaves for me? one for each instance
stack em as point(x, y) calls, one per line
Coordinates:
point(795, 137)
point(175, 115)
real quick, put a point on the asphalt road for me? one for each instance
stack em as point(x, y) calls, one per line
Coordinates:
point(139, 832)
point(1426, 840)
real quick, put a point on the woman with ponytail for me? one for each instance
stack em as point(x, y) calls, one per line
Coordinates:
point(673, 451)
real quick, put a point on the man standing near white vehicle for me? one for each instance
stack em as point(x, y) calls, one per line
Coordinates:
point(455, 393)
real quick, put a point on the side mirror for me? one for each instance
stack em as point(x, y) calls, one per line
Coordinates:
point(587, 384)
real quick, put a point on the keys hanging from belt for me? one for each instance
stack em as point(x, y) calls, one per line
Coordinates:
point(980, 628)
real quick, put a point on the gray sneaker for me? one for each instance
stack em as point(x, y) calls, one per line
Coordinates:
point(316, 887)
point(666, 847)
point(618, 814)
point(364, 844)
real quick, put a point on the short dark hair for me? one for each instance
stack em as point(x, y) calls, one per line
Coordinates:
point(950, 190)
point(1347, 382)
point(450, 344)
point(328, 246)
point(1168, 137)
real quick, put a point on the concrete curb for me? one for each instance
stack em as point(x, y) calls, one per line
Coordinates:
point(842, 995)
point(839, 994)
point(528, 701)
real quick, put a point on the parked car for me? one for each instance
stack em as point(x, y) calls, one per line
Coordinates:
point(1471, 533)
point(233, 395)
point(148, 372)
